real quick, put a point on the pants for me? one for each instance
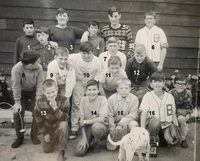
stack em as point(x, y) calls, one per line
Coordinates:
point(153, 125)
point(97, 132)
point(60, 136)
point(27, 100)
point(183, 126)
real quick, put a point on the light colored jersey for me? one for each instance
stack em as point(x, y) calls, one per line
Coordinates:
point(154, 40)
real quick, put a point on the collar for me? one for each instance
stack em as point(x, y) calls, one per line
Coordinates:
point(119, 97)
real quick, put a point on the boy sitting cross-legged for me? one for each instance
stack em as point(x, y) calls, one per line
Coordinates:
point(93, 114)
point(50, 118)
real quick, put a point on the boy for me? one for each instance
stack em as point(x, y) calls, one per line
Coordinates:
point(122, 111)
point(63, 34)
point(27, 78)
point(183, 102)
point(44, 48)
point(139, 69)
point(87, 66)
point(97, 42)
point(93, 114)
point(112, 46)
point(110, 76)
point(50, 118)
point(154, 39)
point(158, 112)
point(62, 73)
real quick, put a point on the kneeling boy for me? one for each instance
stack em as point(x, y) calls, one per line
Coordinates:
point(50, 118)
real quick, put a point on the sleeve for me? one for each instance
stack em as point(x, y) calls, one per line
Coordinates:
point(187, 101)
point(144, 106)
point(98, 71)
point(16, 84)
point(40, 79)
point(130, 40)
point(124, 75)
point(173, 105)
point(16, 51)
point(163, 40)
point(82, 103)
point(133, 114)
point(50, 31)
point(102, 46)
point(128, 69)
point(124, 62)
point(103, 76)
point(137, 38)
point(78, 32)
point(111, 114)
point(51, 71)
point(152, 67)
point(103, 111)
point(70, 83)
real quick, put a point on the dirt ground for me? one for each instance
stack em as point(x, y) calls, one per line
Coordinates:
point(29, 152)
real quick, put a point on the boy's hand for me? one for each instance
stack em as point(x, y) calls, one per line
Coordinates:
point(53, 104)
point(119, 127)
point(160, 67)
point(47, 138)
point(81, 123)
point(83, 144)
point(17, 107)
point(53, 44)
point(85, 36)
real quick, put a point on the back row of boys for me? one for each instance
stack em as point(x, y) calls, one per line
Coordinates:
point(75, 74)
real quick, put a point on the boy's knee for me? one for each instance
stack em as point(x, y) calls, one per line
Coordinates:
point(96, 129)
point(48, 150)
point(181, 119)
point(154, 126)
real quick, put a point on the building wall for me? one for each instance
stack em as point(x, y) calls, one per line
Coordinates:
point(179, 19)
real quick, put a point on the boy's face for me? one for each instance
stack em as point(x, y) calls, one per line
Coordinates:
point(33, 66)
point(28, 29)
point(42, 38)
point(61, 60)
point(180, 85)
point(114, 68)
point(112, 48)
point(62, 18)
point(87, 57)
point(139, 57)
point(123, 90)
point(93, 30)
point(92, 92)
point(149, 20)
point(114, 19)
point(50, 93)
point(157, 85)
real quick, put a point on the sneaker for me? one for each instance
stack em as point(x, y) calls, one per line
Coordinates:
point(73, 135)
point(18, 142)
point(96, 148)
point(184, 144)
point(35, 140)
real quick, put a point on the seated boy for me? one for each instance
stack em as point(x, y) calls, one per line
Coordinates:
point(110, 76)
point(139, 68)
point(87, 66)
point(50, 118)
point(122, 111)
point(27, 78)
point(158, 112)
point(183, 102)
point(97, 42)
point(93, 114)
point(62, 73)
point(44, 48)
point(112, 46)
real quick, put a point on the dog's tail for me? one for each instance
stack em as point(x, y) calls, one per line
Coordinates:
point(115, 143)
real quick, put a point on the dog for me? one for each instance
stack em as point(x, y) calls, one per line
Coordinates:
point(133, 142)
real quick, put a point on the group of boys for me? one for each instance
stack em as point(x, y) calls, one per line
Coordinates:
point(48, 75)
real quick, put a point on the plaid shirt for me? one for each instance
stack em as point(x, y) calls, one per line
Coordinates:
point(47, 119)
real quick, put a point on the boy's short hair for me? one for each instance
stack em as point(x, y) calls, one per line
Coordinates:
point(61, 11)
point(28, 21)
point(157, 76)
point(42, 29)
point(112, 40)
point(29, 57)
point(114, 60)
point(180, 77)
point(63, 51)
point(92, 82)
point(48, 83)
point(86, 47)
point(113, 9)
point(150, 13)
point(93, 23)
point(124, 81)
point(140, 48)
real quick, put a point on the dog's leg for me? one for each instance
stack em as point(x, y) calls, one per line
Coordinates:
point(147, 152)
point(129, 154)
point(121, 153)
point(140, 155)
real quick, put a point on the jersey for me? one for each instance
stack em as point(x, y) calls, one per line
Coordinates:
point(154, 40)
point(98, 45)
point(124, 34)
point(65, 37)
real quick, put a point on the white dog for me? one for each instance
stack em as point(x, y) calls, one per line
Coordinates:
point(133, 142)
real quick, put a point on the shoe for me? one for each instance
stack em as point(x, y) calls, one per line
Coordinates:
point(184, 144)
point(73, 135)
point(18, 142)
point(35, 140)
point(96, 148)
point(61, 156)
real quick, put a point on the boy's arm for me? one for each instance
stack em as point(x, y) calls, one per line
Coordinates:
point(128, 69)
point(152, 66)
point(40, 79)
point(102, 46)
point(175, 120)
point(111, 119)
point(162, 58)
point(101, 89)
point(51, 72)
point(124, 63)
point(143, 118)
point(85, 36)
point(70, 83)
point(130, 43)
point(16, 52)
point(83, 142)
point(98, 71)
point(57, 110)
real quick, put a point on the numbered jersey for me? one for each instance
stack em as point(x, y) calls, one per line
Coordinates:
point(153, 39)
point(155, 107)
